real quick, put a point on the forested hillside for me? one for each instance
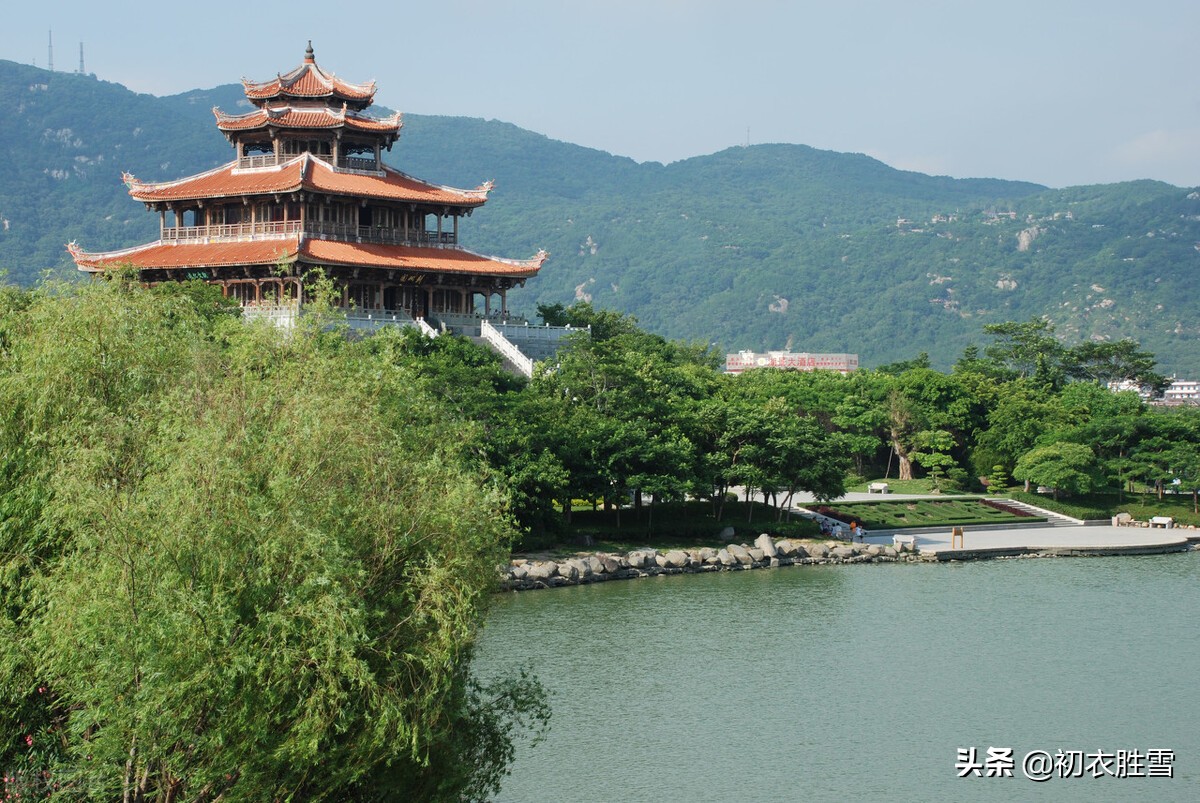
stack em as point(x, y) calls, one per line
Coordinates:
point(769, 246)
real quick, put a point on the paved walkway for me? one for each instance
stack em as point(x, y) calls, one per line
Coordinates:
point(1001, 541)
point(1098, 540)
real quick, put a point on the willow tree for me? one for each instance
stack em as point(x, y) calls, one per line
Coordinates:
point(238, 565)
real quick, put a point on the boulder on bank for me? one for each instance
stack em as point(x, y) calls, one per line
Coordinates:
point(817, 551)
point(767, 544)
point(541, 571)
point(740, 554)
point(676, 559)
point(639, 559)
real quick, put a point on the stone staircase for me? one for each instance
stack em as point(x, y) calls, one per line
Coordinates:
point(509, 365)
point(518, 344)
point(522, 345)
point(1052, 519)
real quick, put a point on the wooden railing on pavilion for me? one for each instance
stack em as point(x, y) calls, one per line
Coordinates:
point(378, 234)
point(320, 229)
point(345, 163)
point(236, 231)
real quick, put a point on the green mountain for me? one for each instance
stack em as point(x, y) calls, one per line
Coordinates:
point(764, 247)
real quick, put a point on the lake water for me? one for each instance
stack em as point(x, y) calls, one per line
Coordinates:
point(859, 682)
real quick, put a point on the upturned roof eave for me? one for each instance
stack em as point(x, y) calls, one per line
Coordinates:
point(306, 180)
point(297, 248)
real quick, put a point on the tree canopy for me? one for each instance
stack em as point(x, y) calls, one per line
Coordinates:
point(238, 564)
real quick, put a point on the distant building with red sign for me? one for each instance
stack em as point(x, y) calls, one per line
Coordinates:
point(801, 361)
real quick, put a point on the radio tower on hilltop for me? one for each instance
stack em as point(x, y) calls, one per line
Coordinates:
point(50, 51)
point(81, 58)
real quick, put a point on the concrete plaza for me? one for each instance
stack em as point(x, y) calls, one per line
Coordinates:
point(1062, 538)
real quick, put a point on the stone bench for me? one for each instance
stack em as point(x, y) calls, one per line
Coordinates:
point(878, 488)
point(1166, 522)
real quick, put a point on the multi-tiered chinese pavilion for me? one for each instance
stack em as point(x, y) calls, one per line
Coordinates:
point(309, 190)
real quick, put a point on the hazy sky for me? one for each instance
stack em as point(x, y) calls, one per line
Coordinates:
point(1060, 92)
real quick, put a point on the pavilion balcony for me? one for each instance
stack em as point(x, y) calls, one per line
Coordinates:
point(353, 163)
point(230, 231)
point(284, 315)
point(319, 229)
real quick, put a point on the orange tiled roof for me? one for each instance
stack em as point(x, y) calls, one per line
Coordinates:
point(321, 117)
point(304, 173)
point(309, 81)
point(317, 252)
point(402, 257)
point(188, 255)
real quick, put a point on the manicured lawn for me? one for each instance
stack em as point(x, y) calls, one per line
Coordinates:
point(918, 486)
point(900, 513)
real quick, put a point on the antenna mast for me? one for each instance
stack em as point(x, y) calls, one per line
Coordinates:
point(50, 50)
point(81, 58)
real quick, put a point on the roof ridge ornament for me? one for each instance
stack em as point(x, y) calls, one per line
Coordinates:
point(308, 54)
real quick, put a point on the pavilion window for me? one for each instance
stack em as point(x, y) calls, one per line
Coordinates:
point(362, 296)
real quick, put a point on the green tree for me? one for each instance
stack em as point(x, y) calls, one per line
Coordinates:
point(1020, 414)
point(238, 565)
point(923, 400)
point(998, 480)
point(1065, 467)
point(1025, 349)
point(934, 454)
point(1185, 465)
point(1114, 361)
point(628, 402)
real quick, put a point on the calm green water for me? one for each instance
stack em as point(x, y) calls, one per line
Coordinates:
point(858, 682)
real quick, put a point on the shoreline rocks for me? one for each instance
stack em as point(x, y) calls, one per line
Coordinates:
point(527, 574)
